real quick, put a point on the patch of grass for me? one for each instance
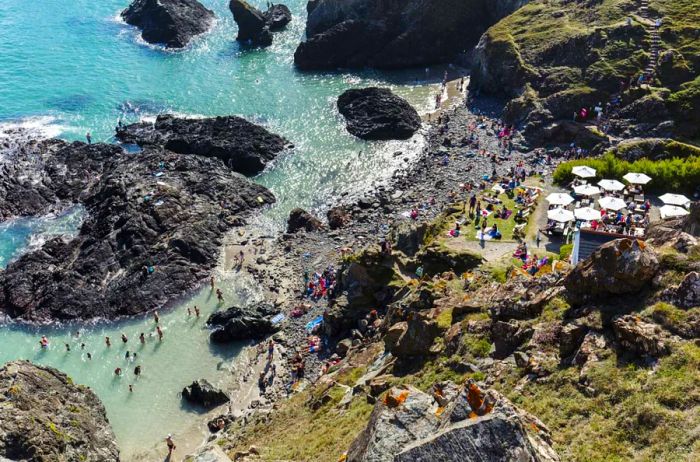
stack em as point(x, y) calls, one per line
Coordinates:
point(444, 319)
point(476, 346)
point(554, 310)
point(437, 370)
point(634, 413)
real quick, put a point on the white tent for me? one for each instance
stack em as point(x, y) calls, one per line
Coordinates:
point(559, 199)
point(637, 178)
point(611, 185)
point(587, 214)
point(674, 199)
point(612, 203)
point(561, 215)
point(586, 190)
point(583, 171)
point(672, 211)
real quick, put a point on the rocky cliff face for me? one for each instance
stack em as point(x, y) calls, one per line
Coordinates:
point(153, 228)
point(45, 417)
point(393, 34)
point(172, 23)
point(242, 145)
point(552, 58)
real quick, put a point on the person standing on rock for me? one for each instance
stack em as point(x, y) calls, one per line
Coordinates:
point(88, 136)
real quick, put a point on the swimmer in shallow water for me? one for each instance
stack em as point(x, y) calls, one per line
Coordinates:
point(44, 342)
point(108, 342)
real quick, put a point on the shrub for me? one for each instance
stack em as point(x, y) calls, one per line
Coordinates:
point(676, 174)
point(565, 252)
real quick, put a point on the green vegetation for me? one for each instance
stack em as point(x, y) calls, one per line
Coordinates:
point(565, 251)
point(680, 175)
point(629, 413)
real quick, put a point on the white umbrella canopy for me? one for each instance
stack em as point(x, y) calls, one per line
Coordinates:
point(583, 171)
point(587, 214)
point(560, 199)
point(672, 211)
point(612, 203)
point(561, 215)
point(611, 185)
point(586, 190)
point(637, 178)
point(674, 199)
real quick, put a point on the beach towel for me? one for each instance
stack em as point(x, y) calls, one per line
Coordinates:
point(313, 323)
point(277, 319)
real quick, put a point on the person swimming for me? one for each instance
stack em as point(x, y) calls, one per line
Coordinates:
point(118, 371)
point(67, 347)
point(196, 311)
point(89, 356)
point(137, 371)
point(127, 356)
point(44, 342)
point(160, 333)
point(142, 338)
point(124, 338)
point(131, 388)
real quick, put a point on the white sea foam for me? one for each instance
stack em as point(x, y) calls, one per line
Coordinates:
point(37, 127)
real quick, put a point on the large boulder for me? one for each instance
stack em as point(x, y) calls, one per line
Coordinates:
point(172, 23)
point(361, 33)
point(619, 267)
point(44, 416)
point(408, 425)
point(152, 230)
point(338, 217)
point(236, 324)
point(687, 295)
point(413, 337)
point(244, 146)
point(301, 219)
point(277, 17)
point(252, 24)
point(378, 114)
point(639, 337)
point(203, 393)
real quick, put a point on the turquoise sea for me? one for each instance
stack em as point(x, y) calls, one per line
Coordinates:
point(71, 66)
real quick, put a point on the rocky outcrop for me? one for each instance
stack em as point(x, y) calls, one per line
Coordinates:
point(252, 24)
point(301, 219)
point(409, 425)
point(411, 338)
point(620, 267)
point(590, 62)
point(387, 34)
point(639, 337)
point(378, 114)
point(152, 229)
point(338, 217)
point(204, 394)
point(244, 146)
point(172, 23)
point(44, 416)
point(687, 295)
point(235, 324)
point(277, 17)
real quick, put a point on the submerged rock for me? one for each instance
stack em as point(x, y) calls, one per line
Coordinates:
point(301, 219)
point(236, 324)
point(378, 114)
point(153, 229)
point(205, 394)
point(361, 33)
point(44, 416)
point(252, 24)
point(172, 23)
point(243, 146)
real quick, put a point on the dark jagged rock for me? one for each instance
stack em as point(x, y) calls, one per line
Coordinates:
point(361, 33)
point(338, 217)
point(44, 416)
point(639, 337)
point(623, 266)
point(277, 17)
point(243, 146)
point(236, 324)
point(405, 427)
point(378, 114)
point(205, 394)
point(301, 219)
point(172, 23)
point(252, 24)
point(152, 231)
